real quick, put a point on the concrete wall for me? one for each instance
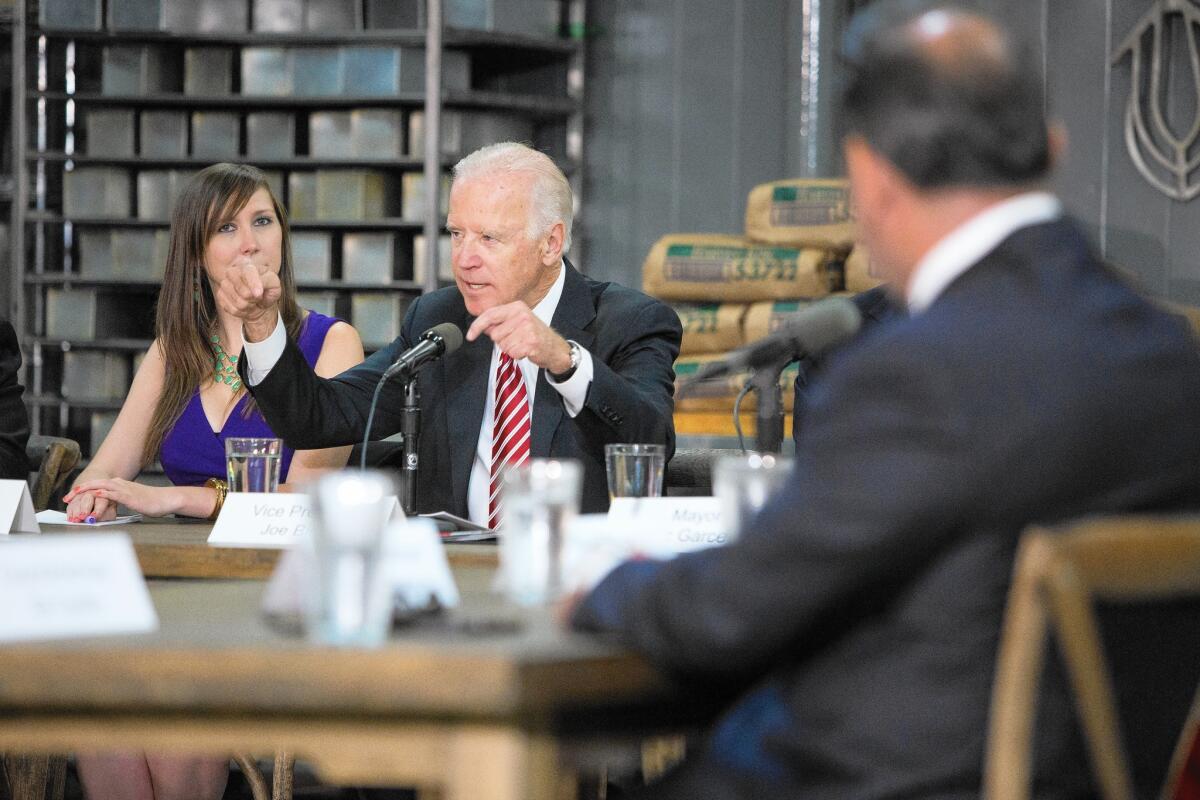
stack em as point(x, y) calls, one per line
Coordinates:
point(692, 102)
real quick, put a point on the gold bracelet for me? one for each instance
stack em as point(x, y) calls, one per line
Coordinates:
point(222, 489)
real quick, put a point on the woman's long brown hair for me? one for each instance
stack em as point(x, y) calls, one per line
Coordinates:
point(186, 317)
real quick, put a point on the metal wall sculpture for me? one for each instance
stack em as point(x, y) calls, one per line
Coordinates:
point(1166, 160)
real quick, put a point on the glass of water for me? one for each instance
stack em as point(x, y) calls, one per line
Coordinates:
point(540, 498)
point(742, 485)
point(635, 470)
point(350, 605)
point(253, 464)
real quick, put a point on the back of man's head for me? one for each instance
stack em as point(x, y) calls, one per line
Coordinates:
point(946, 95)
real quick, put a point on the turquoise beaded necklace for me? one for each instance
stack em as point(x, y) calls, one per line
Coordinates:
point(225, 366)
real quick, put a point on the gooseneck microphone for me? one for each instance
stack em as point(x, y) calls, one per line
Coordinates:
point(440, 340)
point(810, 332)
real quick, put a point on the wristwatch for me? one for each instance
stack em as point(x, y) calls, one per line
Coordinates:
point(575, 359)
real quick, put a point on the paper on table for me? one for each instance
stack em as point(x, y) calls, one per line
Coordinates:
point(49, 517)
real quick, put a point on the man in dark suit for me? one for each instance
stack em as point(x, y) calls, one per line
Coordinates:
point(856, 620)
point(14, 432)
point(874, 306)
point(595, 359)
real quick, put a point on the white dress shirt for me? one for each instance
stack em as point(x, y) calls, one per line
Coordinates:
point(262, 356)
point(967, 244)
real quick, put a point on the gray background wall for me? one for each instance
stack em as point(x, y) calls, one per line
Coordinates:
point(692, 102)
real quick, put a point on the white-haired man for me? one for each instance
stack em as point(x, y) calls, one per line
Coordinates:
point(555, 364)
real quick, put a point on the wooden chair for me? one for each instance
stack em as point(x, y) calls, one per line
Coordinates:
point(52, 458)
point(1060, 576)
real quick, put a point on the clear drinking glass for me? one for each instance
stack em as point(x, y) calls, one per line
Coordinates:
point(540, 498)
point(743, 484)
point(350, 607)
point(635, 470)
point(252, 465)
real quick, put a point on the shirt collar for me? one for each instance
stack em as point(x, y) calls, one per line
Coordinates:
point(545, 309)
point(967, 244)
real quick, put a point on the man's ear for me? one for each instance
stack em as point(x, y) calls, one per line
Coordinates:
point(551, 251)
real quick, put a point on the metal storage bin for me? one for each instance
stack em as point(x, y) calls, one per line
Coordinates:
point(139, 253)
point(95, 253)
point(317, 71)
point(394, 14)
point(266, 71)
point(100, 424)
point(96, 192)
point(364, 133)
point(312, 255)
point(135, 15)
point(95, 375)
point(215, 135)
point(368, 257)
point(206, 16)
point(109, 132)
point(351, 195)
point(377, 316)
point(333, 15)
point(70, 15)
point(525, 17)
point(302, 195)
point(278, 16)
point(83, 314)
point(413, 204)
point(445, 270)
point(208, 71)
point(164, 134)
point(270, 135)
point(138, 70)
point(464, 132)
point(321, 302)
point(157, 191)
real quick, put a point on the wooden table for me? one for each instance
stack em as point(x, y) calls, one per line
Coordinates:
point(489, 701)
point(178, 548)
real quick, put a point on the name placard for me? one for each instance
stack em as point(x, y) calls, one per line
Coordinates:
point(16, 509)
point(415, 564)
point(250, 519)
point(660, 527)
point(54, 587)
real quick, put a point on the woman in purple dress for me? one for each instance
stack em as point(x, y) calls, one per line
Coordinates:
point(187, 398)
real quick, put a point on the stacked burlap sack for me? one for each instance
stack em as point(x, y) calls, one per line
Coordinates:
point(732, 290)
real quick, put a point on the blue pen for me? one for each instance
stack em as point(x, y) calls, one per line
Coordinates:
point(90, 519)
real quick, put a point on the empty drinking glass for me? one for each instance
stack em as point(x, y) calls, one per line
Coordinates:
point(635, 470)
point(744, 483)
point(540, 498)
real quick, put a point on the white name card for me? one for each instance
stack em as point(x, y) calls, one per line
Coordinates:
point(661, 527)
point(89, 584)
point(16, 509)
point(250, 519)
point(415, 564)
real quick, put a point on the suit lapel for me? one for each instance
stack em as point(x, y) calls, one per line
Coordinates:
point(466, 390)
point(574, 313)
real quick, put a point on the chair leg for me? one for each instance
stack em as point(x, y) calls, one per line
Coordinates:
point(35, 777)
point(254, 776)
point(285, 764)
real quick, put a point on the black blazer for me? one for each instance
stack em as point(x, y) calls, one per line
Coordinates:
point(875, 306)
point(858, 618)
point(633, 340)
point(14, 420)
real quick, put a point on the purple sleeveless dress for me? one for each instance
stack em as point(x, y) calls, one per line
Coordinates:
point(192, 452)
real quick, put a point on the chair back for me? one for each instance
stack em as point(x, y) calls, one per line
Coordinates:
point(689, 472)
point(52, 458)
point(1063, 577)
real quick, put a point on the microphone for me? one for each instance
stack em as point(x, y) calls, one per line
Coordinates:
point(812, 331)
point(440, 340)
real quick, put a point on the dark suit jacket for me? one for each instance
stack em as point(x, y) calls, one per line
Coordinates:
point(875, 306)
point(633, 340)
point(14, 431)
point(858, 619)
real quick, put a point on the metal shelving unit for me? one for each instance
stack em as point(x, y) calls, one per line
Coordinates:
point(536, 79)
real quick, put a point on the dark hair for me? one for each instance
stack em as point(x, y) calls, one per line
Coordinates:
point(187, 311)
point(963, 117)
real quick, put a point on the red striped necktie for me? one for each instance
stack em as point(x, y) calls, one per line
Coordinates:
point(510, 430)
